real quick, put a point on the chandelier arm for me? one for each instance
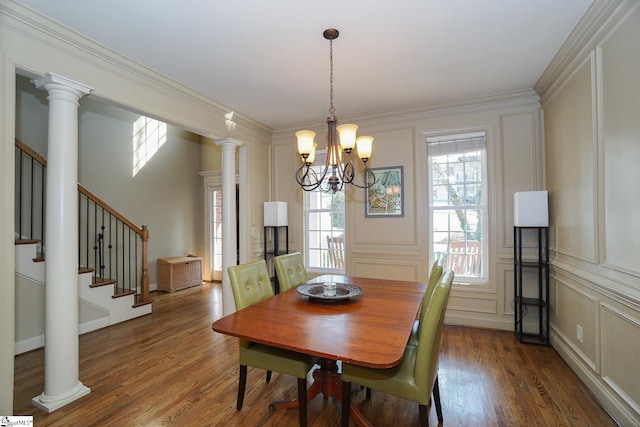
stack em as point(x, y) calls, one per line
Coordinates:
point(347, 170)
point(308, 179)
point(369, 179)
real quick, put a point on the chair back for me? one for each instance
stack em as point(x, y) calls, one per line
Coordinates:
point(426, 367)
point(434, 278)
point(290, 271)
point(336, 251)
point(250, 283)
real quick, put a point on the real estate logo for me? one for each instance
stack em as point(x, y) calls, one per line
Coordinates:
point(16, 421)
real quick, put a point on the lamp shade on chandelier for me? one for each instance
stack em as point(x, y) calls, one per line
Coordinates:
point(341, 142)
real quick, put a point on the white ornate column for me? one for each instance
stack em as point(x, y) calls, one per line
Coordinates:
point(229, 246)
point(61, 352)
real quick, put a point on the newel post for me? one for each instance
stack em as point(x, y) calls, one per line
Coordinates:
point(145, 267)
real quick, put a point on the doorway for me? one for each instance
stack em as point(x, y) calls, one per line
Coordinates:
point(212, 269)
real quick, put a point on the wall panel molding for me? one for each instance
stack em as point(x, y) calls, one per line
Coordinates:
point(618, 408)
point(602, 282)
point(590, 320)
point(395, 269)
point(619, 348)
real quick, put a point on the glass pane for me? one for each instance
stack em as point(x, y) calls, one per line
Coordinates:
point(324, 219)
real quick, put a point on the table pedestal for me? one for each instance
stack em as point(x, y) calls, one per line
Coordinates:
point(326, 380)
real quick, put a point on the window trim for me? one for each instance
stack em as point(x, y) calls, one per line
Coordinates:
point(460, 146)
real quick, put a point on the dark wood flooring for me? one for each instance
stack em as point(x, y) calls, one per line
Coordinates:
point(170, 368)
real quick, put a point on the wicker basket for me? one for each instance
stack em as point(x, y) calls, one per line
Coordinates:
point(179, 272)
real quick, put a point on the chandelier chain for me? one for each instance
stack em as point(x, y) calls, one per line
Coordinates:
point(332, 109)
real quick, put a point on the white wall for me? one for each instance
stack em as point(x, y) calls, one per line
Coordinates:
point(591, 106)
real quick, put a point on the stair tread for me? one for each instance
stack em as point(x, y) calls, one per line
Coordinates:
point(97, 281)
point(140, 304)
point(27, 241)
point(122, 293)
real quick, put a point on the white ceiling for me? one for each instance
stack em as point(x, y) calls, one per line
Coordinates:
point(269, 61)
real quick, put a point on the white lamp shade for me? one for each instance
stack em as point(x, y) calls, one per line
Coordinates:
point(347, 136)
point(305, 141)
point(365, 147)
point(275, 214)
point(531, 209)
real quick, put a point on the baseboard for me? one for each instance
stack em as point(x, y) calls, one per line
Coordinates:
point(38, 341)
point(459, 319)
point(93, 325)
point(28, 345)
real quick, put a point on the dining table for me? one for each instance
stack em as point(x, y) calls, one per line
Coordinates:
point(367, 322)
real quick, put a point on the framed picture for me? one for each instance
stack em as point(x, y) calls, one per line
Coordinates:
point(385, 198)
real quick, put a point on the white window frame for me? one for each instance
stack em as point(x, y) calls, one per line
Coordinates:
point(330, 231)
point(460, 144)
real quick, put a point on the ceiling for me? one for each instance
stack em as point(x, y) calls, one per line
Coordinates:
point(269, 61)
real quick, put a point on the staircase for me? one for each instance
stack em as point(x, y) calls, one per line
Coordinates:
point(113, 284)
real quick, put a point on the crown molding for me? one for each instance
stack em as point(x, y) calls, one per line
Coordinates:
point(51, 34)
point(599, 19)
point(506, 99)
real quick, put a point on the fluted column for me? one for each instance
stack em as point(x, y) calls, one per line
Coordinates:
point(229, 246)
point(61, 353)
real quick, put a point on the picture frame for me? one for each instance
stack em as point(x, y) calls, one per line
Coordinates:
point(385, 198)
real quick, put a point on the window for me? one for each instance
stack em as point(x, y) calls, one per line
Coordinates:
point(324, 225)
point(148, 136)
point(216, 231)
point(457, 204)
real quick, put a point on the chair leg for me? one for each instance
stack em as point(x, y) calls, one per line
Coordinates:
point(368, 393)
point(424, 415)
point(242, 382)
point(346, 402)
point(268, 376)
point(436, 399)
point(302, 401)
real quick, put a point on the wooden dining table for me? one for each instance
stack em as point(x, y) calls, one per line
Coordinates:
point(370, 329)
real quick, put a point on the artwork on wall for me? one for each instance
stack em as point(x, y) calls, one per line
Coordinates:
point(385, 198)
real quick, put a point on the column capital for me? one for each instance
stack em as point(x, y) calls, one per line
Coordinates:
point(229, 143)
point(50, 79)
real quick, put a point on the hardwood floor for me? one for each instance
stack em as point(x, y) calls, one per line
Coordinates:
point(170, 368)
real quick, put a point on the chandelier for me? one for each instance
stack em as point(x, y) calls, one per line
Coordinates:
point(338, 168)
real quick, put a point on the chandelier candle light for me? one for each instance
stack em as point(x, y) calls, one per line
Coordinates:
point(338, 168)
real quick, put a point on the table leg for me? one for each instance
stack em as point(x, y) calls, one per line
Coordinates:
point(327, 381)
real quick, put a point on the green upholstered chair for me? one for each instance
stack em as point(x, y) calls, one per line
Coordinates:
point(290, 271)
point(416, 376)
point(434, 278)
point(251, 284)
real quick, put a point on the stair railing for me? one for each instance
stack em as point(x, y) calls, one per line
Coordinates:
point(110, 244)
point(124, 246)
point(30, 194)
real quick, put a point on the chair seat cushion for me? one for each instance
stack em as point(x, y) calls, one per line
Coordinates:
point(275, 359)
point(398, 381)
